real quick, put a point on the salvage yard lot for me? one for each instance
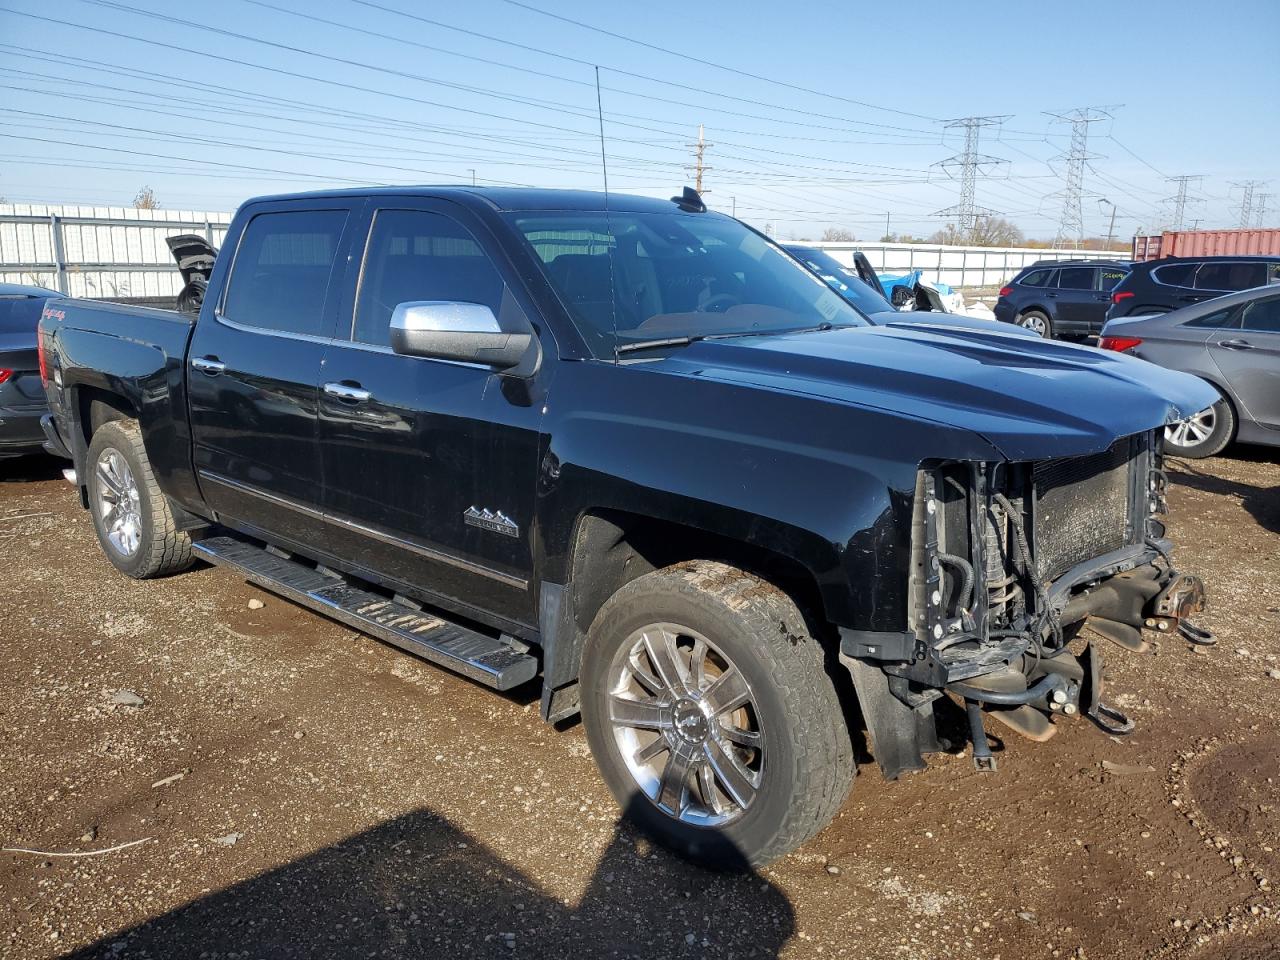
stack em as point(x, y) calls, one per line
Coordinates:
point(309, 792)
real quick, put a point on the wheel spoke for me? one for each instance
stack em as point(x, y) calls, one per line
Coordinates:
point(698, 664)
point(645, 754)
point(728, 692)
point(641, 714)
point(107, 475)
point(707, 787)
point(675, 781)
point(745, 738)
point(661, 647)
point(642, 673)
point(739, 782)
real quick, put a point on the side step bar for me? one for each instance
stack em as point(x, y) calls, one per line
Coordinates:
point(492, 662)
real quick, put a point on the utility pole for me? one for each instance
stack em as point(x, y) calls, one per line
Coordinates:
point(1071, 223)
point(473, 177)
point(1182, 198)
point(1246, 199)
point(969, 162)
point(1111, 230)
point(887, 233)
point(733, 201)
point(1262, 208)
point(699, 167)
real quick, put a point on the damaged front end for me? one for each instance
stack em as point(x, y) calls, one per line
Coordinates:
point(1020, 574)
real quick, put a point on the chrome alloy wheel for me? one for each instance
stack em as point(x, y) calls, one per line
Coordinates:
point(685, 723)
point(1193, 430)
point(117, 502)
point(1035, 323)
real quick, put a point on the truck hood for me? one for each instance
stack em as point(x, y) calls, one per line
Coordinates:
point(1031, 399)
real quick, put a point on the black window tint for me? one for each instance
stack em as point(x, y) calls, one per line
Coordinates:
point(1175, 274)
point(1230, 276)
point(281, 271)
point(1273, 273)
point(1262, 315)
point(1216, 319)
point(1111, 277)
point(1075, 278)
point(1036, 278)
point(416, 255)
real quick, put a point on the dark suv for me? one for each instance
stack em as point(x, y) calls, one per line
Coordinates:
point(1159, 286)
point(1061, 298)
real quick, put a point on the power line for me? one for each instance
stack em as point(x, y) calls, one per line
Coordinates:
point(969, 162)
point(1181, 199)
point(1071, 223)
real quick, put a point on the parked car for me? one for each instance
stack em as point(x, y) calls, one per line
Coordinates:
point(1159, 286)
point(1061, 298)
point(22, 399)
point(639, 455)
point(1231, 342)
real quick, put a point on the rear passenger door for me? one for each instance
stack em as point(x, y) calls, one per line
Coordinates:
point(421, 456)
point(253, 367)
point(1074, 299)
point(1248, 354)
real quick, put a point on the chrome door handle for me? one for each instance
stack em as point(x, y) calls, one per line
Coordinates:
point(348, 392)
point(208, 365)
point(1236, 344)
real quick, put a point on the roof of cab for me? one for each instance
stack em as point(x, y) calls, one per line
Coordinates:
point(504, 199)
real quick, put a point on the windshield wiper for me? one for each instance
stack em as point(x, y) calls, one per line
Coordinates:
point(697, 337)
point(656, 344)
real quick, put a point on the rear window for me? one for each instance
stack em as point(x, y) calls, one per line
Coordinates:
point(1216, 319)
point(1230, 276)
point(1036, 278)
point(1111, 277)
point(1262, 315)
point(1075, 278)
point(281, 270)
point(1174, 274)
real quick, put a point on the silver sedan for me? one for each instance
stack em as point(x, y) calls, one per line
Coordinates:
point(1233, 342)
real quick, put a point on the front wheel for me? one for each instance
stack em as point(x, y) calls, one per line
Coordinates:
point(130, 515)
point(711, 716)
point(1202, 435)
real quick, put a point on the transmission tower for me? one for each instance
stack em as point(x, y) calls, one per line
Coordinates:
point(699, 167)
point(1071, 223)
point(1182, 198)
point(969, 162)
point(1261, 204)
point(1246, 199)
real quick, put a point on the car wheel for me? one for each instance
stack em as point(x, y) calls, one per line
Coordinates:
point(1202, 435)
point(711, 716)
point(1038, 323)
point(130, 515)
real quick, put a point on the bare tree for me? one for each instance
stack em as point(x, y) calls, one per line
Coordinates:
point(837, 233)
point(986, 232)
point(146, 200)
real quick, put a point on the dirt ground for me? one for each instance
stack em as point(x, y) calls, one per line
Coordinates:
point(304, 791)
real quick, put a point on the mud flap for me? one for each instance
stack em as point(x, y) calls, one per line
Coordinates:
point(900, 733)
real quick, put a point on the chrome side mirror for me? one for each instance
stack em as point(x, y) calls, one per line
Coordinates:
point(451, 330)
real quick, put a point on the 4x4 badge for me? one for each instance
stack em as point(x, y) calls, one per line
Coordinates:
point(495, 521)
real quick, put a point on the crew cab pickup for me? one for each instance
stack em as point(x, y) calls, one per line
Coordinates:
point(631, 452)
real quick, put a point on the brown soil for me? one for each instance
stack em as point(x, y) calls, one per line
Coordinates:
point(340, 799)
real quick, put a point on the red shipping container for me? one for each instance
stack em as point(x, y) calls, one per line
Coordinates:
point(1208, 243)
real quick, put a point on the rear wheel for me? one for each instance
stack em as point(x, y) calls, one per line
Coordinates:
point(711, 716)
point(1202, 435)
point(1038, 323)
point(130, 515)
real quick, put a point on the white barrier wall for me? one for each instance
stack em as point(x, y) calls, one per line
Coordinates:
point(955, 266)
point(113, 252)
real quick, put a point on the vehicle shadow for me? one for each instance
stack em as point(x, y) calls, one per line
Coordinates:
point(417, 886)
point(1262, 502)
point(29, 469)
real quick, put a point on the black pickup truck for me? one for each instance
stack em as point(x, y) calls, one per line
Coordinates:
point(633, 452)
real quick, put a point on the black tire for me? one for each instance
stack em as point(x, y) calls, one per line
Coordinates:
point(1222, 428)
point(161, 548)
point(1036, 318)
point(806, 765)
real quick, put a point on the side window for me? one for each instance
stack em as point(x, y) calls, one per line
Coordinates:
point(1036, 278)
point(1230, 276)
point(1273, 273)
point(281, 271)
point(1262, 315)
point(417, 255)
point(1075, 278)
point(1219, 318)
point(1175, 274)
point(1110, 278)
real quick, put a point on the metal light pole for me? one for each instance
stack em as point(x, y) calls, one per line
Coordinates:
point(1111, 230)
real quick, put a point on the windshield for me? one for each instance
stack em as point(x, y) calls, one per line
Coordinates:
point(626, 278)
point(842, 279)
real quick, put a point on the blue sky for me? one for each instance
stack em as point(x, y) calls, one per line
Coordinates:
point(828, 116)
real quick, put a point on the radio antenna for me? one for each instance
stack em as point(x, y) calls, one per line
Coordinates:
point(608, 223)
